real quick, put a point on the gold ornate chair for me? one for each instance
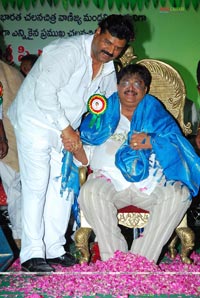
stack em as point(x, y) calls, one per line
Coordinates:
point(168, 86)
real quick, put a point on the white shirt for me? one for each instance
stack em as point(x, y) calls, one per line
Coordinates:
point(102, 161)
point(56, 90)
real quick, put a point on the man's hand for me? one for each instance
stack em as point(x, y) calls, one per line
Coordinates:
point(140, 141)
point(71, 139)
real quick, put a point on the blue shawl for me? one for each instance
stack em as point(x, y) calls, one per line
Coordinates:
point(174, 152)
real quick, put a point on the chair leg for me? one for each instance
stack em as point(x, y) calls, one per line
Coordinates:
point(187, 238)
point(81, 238)
point(172, 246)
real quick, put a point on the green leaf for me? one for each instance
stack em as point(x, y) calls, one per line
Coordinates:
point(173, 3)
point(55, 2)
point(110, 4)
point(78, 2)
point(12, 3)
point(155, 3)
point(146, 3)
point(163, 3)
point(4, 4)
point(41, 2)
point(86, 3)
point(27, 3)
point(50, 2)
point(72, 2)
point(118, 4)
point(19, 4)
point(101, 4)
point(140, 4)
point(187, 3)
point(178, 3)
point(65, 4)
point(195, 4)
point(126, 3)
point(133, 4)
point(96, 3)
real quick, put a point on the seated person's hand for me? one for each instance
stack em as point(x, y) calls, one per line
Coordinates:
point(140, 141)
point(71, 139)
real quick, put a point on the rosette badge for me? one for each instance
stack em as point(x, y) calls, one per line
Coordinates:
point(97, 105)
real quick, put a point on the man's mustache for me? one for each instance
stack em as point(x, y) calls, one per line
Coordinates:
point(105, 52)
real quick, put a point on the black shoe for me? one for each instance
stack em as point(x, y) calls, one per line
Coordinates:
point(65, 260)
point(37, 265)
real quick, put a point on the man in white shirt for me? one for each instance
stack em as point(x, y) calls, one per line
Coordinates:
point(51, 101)
point(143, 162)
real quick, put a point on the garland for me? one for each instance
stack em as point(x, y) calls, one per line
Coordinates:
point(100, 4)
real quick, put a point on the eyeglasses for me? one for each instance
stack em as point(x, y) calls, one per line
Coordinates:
point(135, 84)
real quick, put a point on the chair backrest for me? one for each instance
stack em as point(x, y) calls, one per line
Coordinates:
point(168, 86)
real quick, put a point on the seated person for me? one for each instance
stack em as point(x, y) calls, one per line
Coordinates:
point(142, 161)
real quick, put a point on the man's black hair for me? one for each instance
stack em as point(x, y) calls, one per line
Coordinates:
point(120, 26)
point(139, 69)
